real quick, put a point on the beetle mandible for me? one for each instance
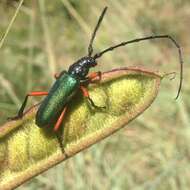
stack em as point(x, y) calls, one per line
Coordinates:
point(53, 108)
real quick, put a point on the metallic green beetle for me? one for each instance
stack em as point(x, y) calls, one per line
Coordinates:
point(53, 108)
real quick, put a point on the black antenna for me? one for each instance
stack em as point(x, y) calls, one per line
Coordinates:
point(98, 55)
point(90, 48)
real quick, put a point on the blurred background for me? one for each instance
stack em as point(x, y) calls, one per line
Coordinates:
point(153, 151)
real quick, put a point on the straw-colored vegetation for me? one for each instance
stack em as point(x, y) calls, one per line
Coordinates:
point(48, 36)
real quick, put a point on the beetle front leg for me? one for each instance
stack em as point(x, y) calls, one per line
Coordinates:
point(57, 75)
point(21, 110)
point(92, 78)
point(86, 94)
point(95, 77)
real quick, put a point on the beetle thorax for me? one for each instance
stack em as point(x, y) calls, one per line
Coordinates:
point(80, 68)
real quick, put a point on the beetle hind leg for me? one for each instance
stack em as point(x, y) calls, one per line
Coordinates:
point(21, 110)
point(56, 128)
point(60, 141)
point(60, 119)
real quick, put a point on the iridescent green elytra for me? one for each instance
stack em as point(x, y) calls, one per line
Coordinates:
point(61, 92)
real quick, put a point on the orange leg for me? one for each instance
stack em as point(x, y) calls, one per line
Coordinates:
point(21, 110)
point(60, 119)
point(37, 93)
point(84, 91)
point(56, 75)
point(95, 76)
point(86, 94)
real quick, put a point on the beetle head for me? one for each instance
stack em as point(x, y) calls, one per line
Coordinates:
point(81, 67)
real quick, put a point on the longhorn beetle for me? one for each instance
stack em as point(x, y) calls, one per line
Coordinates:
point(68, 83)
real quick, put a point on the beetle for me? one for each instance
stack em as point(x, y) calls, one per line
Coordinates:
point(53, 108)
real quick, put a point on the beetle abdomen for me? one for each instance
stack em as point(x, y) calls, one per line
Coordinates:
point(51, 107)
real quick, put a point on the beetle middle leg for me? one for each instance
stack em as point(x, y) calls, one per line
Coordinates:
point(86, 94)
point(21, 110)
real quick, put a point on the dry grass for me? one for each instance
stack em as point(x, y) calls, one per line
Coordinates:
point(47, 36)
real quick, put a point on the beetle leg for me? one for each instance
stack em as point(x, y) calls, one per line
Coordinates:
point(95, 77)
point(86, 94)
point(56, 75)
point(56, 127)
point(21, 110)
point(60, 141)
point(92, 78)
point(60, 119)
